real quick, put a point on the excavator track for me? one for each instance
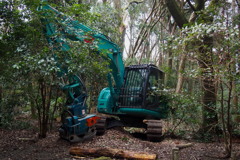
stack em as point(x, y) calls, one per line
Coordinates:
point(154, 130)
point(101, 125)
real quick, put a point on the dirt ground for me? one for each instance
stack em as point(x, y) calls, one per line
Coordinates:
point(14, 145)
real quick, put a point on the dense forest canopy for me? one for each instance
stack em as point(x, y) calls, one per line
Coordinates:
point(195, 42)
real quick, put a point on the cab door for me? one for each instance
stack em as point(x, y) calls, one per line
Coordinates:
point(154, 87)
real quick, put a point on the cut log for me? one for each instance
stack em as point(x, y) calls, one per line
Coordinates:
point(151, 121)
point(181, 146)
point(33, 139)
point(109, 152)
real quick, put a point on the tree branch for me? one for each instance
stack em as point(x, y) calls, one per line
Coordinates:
point(137, 2)
point(151, 21)
point(238, 3)
point(176, 13)
point(132, 2)
point(190, 4)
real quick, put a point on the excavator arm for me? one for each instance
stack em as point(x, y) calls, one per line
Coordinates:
point(59, 29)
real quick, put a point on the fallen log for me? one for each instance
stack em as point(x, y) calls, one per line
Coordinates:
point(182, 146)
point(33, 139)
point(109, 152)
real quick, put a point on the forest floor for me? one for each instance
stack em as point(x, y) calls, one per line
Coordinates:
point(14, 145)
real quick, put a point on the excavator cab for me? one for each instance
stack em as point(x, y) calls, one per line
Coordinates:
point(141, 100)
point(142, 84)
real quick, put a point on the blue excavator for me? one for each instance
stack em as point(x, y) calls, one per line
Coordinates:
point(133, 95)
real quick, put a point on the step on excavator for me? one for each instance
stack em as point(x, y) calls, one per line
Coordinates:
point(133, 95)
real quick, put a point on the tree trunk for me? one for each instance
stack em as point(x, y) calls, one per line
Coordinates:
point(43, 108)
point(235, 93)
point(1, 97)
point(226, 119)
point(31, 99)
point(33, 108)
point(43, 130)
point(172, 29)
point(121, 15)
point(209, 97)
point(114, 153)
point(180, 73)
